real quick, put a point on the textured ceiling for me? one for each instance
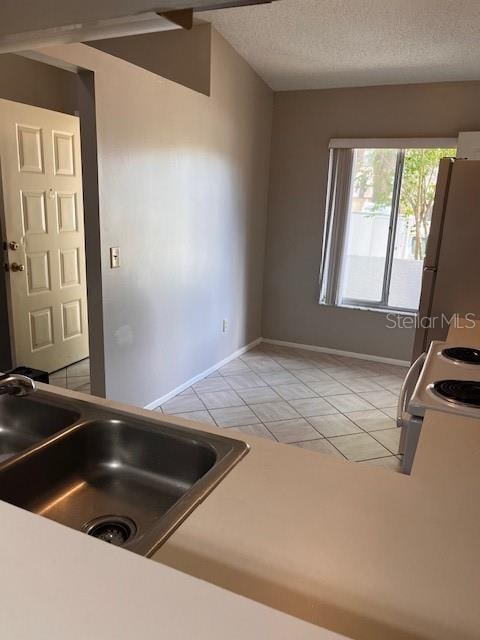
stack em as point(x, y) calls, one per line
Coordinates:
point(313, 44)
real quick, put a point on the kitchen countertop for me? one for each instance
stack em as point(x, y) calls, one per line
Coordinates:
point(58, 584)
point(353, 548)
point(358, 549)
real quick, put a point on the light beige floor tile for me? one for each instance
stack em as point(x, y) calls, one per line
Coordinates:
point(81, 368)
point(85, 389)
point(290, 359)
point(349, 402)
point(197, 416)
point(313, 375)
point(391, 412)
point(248, 380)
point(256, 396)
point(185, 392)
point(321, 445)
point(183, 404)
point(260, 359)
point(294, 391)
point(347, 373)
point(359, 385)
point(328, 388)
point(347, 360)
point(278, 377)
point(328, 363)
point(264, 366)
point(299, 365)
point(58, 382)
point(308, 407)
point(395, 388)
point(390, 438)
point(79, 383)
point(360, 446)
point(392, 383)
point(255, 355)
point(392, 463)
point(319, 357)
point(254, 430)
point(380, 399)
point(235, 366)
point(220, 399)
point(370, 366)
point(292, 430)
point(234, 416)
point(208, 385)
point(373, 420)
point(58, 375)
point(271, 411)
point(395, 370)
point(346, 385)
point(330, 367)
point(334, 425)
point(365, 369)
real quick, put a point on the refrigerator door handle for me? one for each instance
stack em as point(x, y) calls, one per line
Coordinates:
point(407, 388)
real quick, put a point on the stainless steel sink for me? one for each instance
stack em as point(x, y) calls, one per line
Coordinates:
point(129, 481)
point(26, 421)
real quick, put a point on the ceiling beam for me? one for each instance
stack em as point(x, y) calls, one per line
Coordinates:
point(182, 18)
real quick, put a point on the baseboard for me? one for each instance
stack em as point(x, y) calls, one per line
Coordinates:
point(171, 394)
point(337, 352)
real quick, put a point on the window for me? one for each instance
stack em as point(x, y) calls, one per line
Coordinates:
point(379, 208)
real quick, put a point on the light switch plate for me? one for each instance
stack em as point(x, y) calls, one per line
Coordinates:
point(114, 257)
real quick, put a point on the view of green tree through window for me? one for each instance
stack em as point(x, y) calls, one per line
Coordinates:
point(388, 222)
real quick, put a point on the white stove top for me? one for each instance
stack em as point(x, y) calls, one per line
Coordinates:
point(439, 367)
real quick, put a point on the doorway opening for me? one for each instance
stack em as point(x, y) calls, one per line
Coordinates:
point(45, 174)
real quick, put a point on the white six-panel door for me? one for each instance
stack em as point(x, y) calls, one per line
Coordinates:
point(44, 233)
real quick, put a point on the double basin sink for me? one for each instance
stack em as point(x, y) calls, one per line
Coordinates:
point(120, 477)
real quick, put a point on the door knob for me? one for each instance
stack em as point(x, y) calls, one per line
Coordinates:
point(17, 267)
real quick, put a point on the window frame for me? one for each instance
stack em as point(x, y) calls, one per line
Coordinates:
point(338, 209)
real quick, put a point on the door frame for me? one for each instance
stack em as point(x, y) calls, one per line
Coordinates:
point(86, 111)
point(5, 288)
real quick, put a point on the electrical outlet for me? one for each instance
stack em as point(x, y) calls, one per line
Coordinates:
point(225, 326)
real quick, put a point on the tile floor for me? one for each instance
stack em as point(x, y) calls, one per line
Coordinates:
point(332, 404)
point(75, 377)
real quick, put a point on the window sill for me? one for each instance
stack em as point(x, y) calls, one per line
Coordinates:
point(382, 310)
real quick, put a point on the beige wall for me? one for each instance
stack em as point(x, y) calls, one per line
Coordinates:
point(183, 184)
point(304, 121)
point(179, 55)
point(37, 84)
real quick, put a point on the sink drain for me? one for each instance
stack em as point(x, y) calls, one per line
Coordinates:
point(112, 529)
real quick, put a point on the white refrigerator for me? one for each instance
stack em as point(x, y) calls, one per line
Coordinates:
point(451, 273)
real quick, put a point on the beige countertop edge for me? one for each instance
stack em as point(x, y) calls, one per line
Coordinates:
point(58, 584)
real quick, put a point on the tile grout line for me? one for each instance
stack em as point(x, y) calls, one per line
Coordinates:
point(337, 449)
point(384, 445)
